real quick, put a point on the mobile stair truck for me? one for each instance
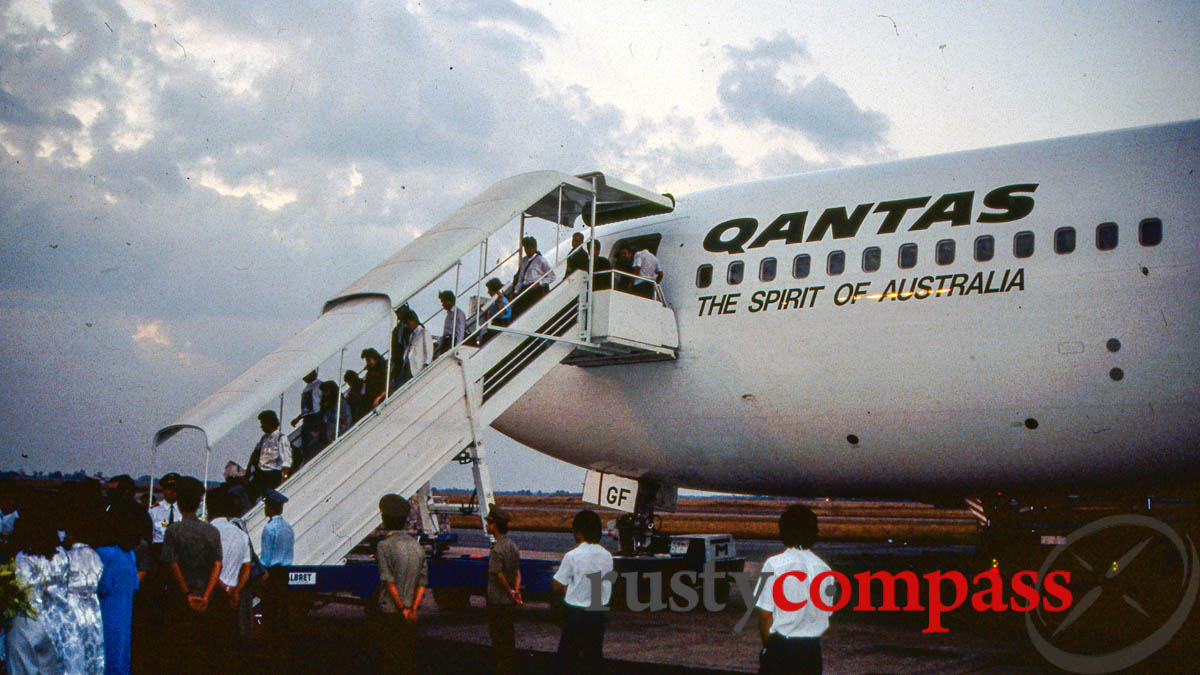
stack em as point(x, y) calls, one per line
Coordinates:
point(436, 416)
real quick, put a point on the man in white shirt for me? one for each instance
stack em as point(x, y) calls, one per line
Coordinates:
point(272, 457)
point(165, 511)
point(582, 644)
point(534, 274)
point(454, 325)
point(419, 351)
point(235, 565)
point(645, 265)
point(309, 418)
point(791, 634)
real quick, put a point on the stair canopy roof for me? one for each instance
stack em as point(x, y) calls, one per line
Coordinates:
point(371, 298)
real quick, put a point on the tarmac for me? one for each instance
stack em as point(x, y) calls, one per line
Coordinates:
point(455, 641)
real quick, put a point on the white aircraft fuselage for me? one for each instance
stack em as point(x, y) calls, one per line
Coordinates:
point(1071, 368)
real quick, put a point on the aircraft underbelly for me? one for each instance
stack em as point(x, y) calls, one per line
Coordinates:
point(938, 394)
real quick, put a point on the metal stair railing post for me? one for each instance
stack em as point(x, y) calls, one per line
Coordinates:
point(479, 470)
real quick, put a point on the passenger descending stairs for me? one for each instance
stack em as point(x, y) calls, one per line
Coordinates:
point(333, 499)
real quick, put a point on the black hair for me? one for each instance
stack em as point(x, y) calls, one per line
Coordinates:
point(529, 242)
point(34, 534)
point(351, 376)
point(119, 529)
point(447, 296)
point(269, 417)
point(79, 508)
point(494, 284)
point(219, 504)
point(123, 484)
point(405, 313)
point(394, 522)
point(587, 524)
point(190, 491)
point(271, 508)
point(370, 352)
point(798, 526)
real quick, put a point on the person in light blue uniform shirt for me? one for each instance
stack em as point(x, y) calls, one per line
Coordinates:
point(275, 554)
point(278, 540)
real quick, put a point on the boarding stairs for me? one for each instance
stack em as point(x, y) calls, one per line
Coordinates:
point(438, 415)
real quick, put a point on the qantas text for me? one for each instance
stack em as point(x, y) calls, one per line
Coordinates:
point(1001, 205)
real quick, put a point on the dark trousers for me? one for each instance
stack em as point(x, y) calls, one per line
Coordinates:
point(581, 648)
point(395, 639)
point(190, 638)
point(527, 299)
point(504, 638)
point(149, 613)
point(275, 653)
point(263, 481)
point(799, 656)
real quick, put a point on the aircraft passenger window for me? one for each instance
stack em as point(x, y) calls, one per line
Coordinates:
point(704, 276)
point(1023, 244)
point(985, 248)
point(800, 265)
point(766, 269)
point(1150, 232)
point(737, 269)
point(837, 263)
point(1064, 240)
point(908, 256)
point(1106, 236)
point(871, 259)
point(944, 253)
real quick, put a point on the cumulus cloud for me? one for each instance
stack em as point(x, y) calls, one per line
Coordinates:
point(754, 90)
point(226, 167)
point(151, 331)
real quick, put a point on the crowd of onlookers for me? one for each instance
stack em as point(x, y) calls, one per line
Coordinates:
point(105, 582)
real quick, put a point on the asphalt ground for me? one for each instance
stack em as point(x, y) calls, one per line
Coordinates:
point(334, 638)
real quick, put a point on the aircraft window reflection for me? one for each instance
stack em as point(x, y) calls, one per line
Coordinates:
point(1106, 236)
point(837, 263)
point(908, 256)
point(766, 269)
point(1023, 244)
point(704, 276)
point(1064, 240)
point(800, 266)
point(944, 253)
point(985, 248)
point(871, 258)
point(737, 269)
point(1150, 232)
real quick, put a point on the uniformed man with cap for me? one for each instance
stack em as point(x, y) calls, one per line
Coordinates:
point(503, 589)
point(278, 542)
point(150, 602)
point(402, 580)
point(165, 511)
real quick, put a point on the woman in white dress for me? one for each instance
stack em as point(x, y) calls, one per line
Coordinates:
point(83, 646)
point(42, 566)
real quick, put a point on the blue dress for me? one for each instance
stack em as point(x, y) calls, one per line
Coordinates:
point(117, 585)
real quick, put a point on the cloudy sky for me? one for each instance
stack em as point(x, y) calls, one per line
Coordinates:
point(183, 183)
